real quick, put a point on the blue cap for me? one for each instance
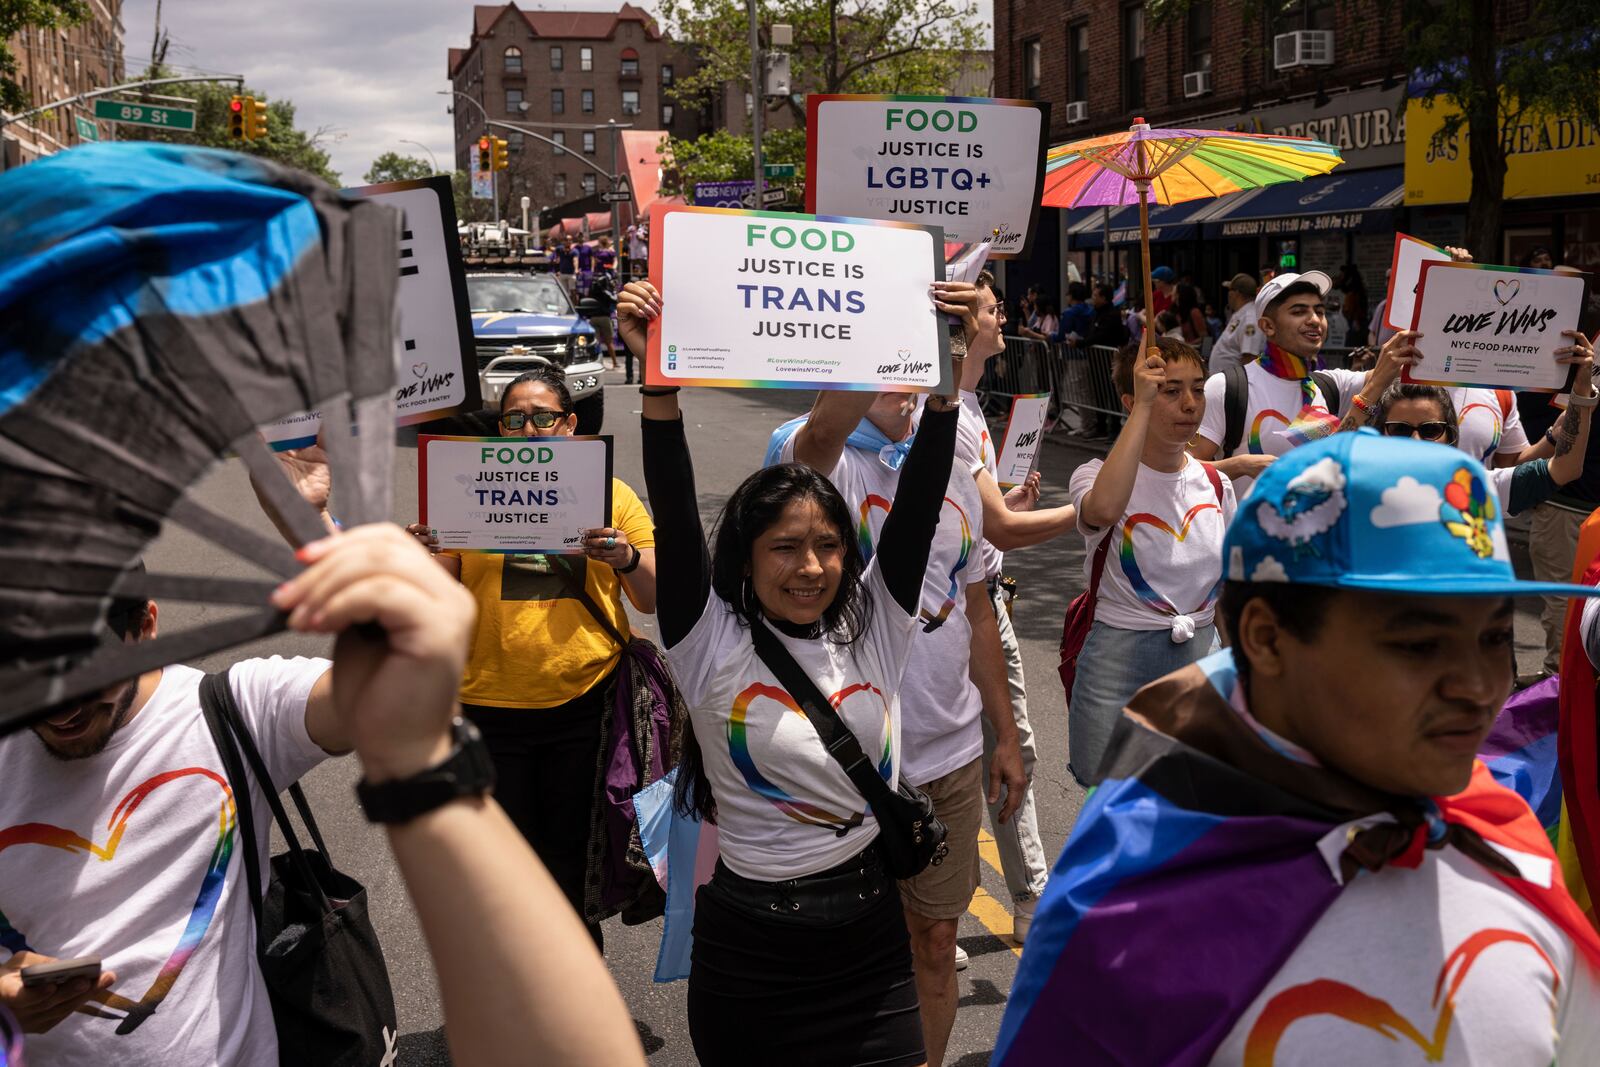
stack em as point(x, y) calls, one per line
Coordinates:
point(1162, 274)
point(1362, 511)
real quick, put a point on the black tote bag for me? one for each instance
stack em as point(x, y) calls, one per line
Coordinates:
point(319, 955)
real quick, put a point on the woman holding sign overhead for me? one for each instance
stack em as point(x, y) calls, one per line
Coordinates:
point(801, 953)
point(547, 653)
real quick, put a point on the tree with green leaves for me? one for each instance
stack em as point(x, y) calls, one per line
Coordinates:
point(394, 167)
point(722, 156)
point(1492, 74)
point(284, 143)
point(840, 46)
point(19, 15)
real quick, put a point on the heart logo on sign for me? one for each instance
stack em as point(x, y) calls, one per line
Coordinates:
point(1326, 996)
point(739, 751)
point(1506, 289)
point(200, 915)
point(419, 370)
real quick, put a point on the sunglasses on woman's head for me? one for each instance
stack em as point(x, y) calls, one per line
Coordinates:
point(542, 420)
point(1428, 431)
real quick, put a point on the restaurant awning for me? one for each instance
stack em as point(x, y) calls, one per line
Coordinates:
point(1343, 201)
point(1168, 222)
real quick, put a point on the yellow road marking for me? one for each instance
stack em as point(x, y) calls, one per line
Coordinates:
point(993, 914)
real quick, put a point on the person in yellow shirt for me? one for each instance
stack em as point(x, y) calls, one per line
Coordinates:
point(547, 648)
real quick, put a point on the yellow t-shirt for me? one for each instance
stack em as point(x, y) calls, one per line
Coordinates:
point(536, 646)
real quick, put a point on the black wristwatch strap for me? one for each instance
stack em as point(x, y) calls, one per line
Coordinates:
point(633, 564)
point(467, 771)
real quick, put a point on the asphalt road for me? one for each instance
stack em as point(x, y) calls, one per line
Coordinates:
point(728, 431)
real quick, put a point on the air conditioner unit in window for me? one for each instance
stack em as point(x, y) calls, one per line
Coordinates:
point(1078, 111)
point(1302, 48)
point(1197, 83)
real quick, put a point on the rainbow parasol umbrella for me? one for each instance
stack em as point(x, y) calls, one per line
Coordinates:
point(1171, 166)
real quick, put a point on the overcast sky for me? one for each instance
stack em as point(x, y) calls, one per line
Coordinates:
point(366, 70)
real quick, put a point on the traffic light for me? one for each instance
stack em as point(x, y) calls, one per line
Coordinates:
point(500, 160)
point(255, 118)
point(236, 124)
point(485, 155)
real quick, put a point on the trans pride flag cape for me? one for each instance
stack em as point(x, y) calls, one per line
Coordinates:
point(1578, 753)
point(1194, 871)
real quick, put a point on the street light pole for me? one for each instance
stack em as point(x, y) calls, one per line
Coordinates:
point(757, 97)
point(494, 184)
point(615, 171)
point(431, 157)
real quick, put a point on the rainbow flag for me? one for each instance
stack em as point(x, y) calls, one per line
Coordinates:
point(1194, 872)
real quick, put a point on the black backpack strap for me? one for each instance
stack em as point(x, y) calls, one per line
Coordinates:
point(836, 736)
point(243, 743)
point(1235, 405)
point(216, 704)
point(575, 586)
point(1330, 391)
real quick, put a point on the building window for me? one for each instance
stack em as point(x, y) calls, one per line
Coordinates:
point(588, 184)
point(666, 74)
point(559, 184)
point(749, 105)
point(1304, 15)
point(513, 60)
point(514, 101)
point(630, 64)
point(588, 101)
point(1200, 36)
point(1032, 67)
point(630, 101)
point(1133, 57)
point(560, 138)
point(588, 141)
point(1078, 61)
point(513, 141)
point(666, 116)
point(558, 101)
point(555, 57)
point(586, 58)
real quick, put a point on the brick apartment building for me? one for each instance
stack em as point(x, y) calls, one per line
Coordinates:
point(53, 64)
point(564, 73)
point(1321, 69)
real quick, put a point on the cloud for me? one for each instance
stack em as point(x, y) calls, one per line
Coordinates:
point(1269, 570)
point(1407, 503)
point(1236, 564)
point(1323, 474)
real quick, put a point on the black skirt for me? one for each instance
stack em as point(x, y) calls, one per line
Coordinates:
point(814, 971)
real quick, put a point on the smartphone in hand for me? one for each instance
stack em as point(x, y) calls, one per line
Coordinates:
point(60, 972)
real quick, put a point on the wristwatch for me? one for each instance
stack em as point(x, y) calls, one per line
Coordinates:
point(466, 772)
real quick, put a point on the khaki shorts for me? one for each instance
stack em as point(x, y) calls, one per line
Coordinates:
point(945, 891)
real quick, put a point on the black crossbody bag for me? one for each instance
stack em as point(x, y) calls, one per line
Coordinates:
point(319, 954)
point(910, 836)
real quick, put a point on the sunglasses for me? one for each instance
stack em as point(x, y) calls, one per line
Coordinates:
point(542, 420)
point(1428, 431)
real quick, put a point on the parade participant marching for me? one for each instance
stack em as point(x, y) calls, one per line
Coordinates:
point(1166, 512)
point(1241, 339)
point(957, 674)
point(800, 947)
point(548, 652)
point(1407, 409)
point(1293, 855)
point(1278, 401)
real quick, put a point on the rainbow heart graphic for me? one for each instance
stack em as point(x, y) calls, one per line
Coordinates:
point(200, 915)
point(1325, 996)
point(1506, 290)
point(931, 620)
point(799, 810)
point(1494, 417)
point(1130, 563)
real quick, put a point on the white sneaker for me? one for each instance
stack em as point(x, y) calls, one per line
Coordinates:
point(1022, 919)
point(961, 958)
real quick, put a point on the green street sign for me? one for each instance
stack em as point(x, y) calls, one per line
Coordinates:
point(87, 130)
point(778, 170)
point(167, 118)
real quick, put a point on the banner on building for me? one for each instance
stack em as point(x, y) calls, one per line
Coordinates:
point(970, 164)
point(762, 299)
point(1544, 156)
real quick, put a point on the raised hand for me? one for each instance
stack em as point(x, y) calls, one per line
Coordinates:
point(637, 304)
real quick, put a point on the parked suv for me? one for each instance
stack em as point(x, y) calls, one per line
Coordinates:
point(521, 321)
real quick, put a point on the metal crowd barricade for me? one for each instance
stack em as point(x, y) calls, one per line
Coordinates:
point(1078, 378)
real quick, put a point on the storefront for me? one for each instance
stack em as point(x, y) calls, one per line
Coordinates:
point(1552, 185)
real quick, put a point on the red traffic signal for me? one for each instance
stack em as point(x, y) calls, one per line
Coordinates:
point(236, 124)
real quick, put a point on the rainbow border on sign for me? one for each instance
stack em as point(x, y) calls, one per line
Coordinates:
point(1394, 257)
point(652, 360)
point(1416, 313)
point(815, 101)
point(1005, 435)
point(423, 440)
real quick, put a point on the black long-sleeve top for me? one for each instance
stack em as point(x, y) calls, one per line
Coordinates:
point(683, 561)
